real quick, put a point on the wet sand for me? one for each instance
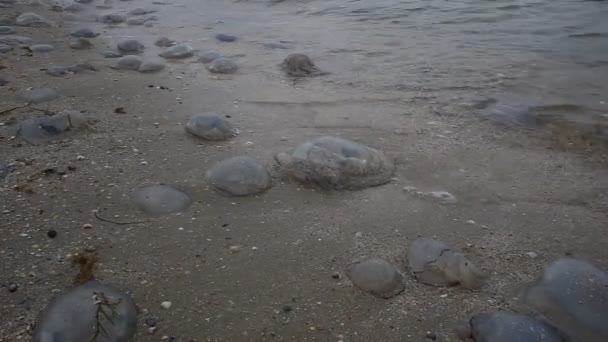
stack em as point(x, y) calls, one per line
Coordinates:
point(517, 191)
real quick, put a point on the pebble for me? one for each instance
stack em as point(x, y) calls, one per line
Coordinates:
point(87, 226)
point(38, 95)
point(178, 52)
point(151, 65)
point(227, 38)
point(151, 322)
point(208, 57)
point(42, 48)
point(336, 275)
point(6, 30)
point(130, 46)
point(52, 233)
point(431, 335)
point(84, 32)
point(81, 44)
point(239, 176)
point(152, 330)
point(532, 255)
point(129, 62)
point(222, 65)
point(31, 19)
point(287, 308)
point(166, 305)
point(12, 287)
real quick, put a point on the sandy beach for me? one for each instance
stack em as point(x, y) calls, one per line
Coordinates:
point(271, 266)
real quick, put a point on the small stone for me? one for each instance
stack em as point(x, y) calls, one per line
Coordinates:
point(87, 226)
point(81, 44)
point(336, 275)
point(152, 330)
point(130, 46)
point(111, 19)
point(151, 322)
point(52, 233)
point(84, 32)
point(166, 305)
point(42, 48)
point(178, 52)
point(38, 95)
point(234, 249)
point(431, 336)
point(164, 42)
point(532, 255)
point(129, 62)
point(12, 287)
point(208, 57)
point(151, 65)
point(222, 65)
point(227, 38)
point(287, 308)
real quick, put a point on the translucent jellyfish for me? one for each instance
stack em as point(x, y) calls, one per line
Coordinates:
point(129, 62)
point(299, 65)
point(503, 326)
point(572, 295)
point(339, 164)
point(208, 57)
point(222, 65)
point(151, 65)
point(45, 129)
point(160, 199)
point(432, 262)
point(73, 316)
point(376, 276)
point(177, 52)
point(130, 46)
point(239, 176)
point(210, 126)
point(38, 95)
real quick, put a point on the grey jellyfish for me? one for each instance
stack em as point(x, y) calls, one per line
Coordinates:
point(90, 311)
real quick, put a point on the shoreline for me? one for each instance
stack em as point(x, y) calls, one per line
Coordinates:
point(516, 195)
